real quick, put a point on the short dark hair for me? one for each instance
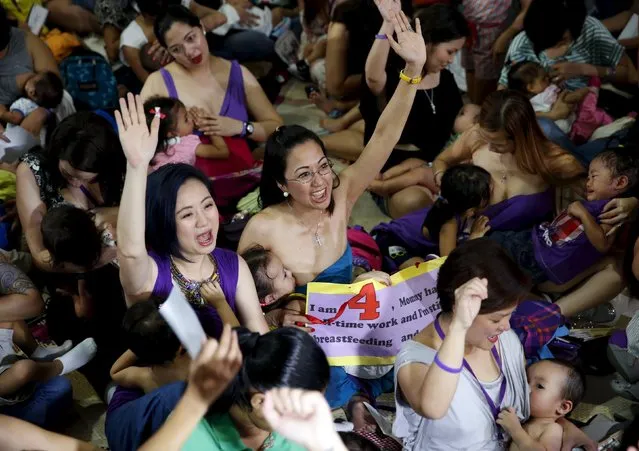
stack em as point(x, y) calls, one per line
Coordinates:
point(257, 259)
point(284, 357)
point(71, 236)
point(48, 90)
point(508, 284)
point(169, 107)
point(148, 335)
point(522, 74)
point(161, 196)
point(575, 385)
point(546, 22)
point(622, 161)
point(463, 187)
point(442, 23)
point(173, 14)
point(278, 147)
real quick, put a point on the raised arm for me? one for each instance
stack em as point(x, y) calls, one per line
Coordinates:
point(210, 374)
point(378, 56)
point(138, 271)
point(411, 47)
point(429, 389)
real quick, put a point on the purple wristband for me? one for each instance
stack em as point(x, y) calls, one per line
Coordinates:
point(445, 367)
point(381, 36)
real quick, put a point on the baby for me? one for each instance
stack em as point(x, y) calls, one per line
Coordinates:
point(531, 79)
point(556, 387)
point(412, 172)
point(177, 142)
point(40, 90)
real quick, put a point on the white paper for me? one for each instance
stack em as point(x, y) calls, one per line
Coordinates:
point(37, 17)
point(182, 319)
point(21, 141)
point(384, 424)
point(632, 28)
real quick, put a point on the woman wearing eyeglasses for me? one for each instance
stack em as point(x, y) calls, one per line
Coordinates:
point(307, 208)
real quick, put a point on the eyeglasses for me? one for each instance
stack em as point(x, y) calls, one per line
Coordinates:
point(307, 176)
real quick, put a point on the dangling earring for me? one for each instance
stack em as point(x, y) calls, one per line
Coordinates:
point(285, 193)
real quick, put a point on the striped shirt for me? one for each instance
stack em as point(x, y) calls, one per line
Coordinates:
point(595, 45)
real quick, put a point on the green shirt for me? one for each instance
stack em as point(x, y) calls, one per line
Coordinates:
point(217, 432)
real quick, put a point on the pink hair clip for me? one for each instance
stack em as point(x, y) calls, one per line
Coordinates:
point(156, 111)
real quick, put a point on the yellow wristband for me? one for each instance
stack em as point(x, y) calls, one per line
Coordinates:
point(407, 79)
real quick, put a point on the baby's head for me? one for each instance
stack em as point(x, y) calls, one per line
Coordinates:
point(174, 119)
point(556, 387)
point(612, 173)
point(148, 335)
point(272, 279)
point(467, 117)
point(148, 63)
point(71, 237)
point(528, 77)
point(45, 89)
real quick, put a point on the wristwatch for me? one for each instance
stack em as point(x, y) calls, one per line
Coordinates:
point(247, 129)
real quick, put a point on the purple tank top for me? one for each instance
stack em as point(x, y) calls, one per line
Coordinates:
point(228, 268)
point(234, 104)
point(562, 248)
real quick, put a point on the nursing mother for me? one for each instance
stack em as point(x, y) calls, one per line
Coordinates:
point(307, 206)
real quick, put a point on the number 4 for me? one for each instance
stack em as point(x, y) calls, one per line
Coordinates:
point(366, 300)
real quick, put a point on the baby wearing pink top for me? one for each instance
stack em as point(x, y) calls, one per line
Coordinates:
point(183, 151)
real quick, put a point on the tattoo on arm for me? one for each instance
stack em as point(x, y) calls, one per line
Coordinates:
point(14, 281)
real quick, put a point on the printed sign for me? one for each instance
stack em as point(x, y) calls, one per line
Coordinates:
point(366, 323)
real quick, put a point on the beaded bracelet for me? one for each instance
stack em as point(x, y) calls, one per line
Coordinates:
point(381, 36)
point(445, 367)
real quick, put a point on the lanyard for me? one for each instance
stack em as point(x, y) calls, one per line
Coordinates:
point(495, 409)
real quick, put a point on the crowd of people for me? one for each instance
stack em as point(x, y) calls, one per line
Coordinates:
point(121, 178)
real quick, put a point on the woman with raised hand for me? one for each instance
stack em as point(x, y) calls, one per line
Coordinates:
point(175, 208)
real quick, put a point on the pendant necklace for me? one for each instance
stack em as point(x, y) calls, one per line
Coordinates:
point(317, 239)
point(431, 100)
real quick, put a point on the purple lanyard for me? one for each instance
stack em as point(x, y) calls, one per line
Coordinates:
point(495, 409)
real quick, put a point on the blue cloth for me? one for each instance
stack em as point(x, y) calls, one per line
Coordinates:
point(339, 272)
point(343, 386)
point(130, 425)
point(584, 153)
point(49, 404)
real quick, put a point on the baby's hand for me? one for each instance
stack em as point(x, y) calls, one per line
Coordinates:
point(480, 227)
point(509, 420)
point(212, 293)
point(576, 209)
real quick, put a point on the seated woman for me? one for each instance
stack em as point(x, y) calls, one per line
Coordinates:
point(21, 55)
point(223, 94)
point(234, 421)
point(438, 103)
point(455, 376)
point(573, 47)
point(307, 206)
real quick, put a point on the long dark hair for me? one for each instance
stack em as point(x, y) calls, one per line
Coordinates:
point(284, 357)
point(89, 143)
point(463, 187)
point(278, 147)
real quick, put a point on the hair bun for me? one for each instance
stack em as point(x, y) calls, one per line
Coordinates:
point(247, 339)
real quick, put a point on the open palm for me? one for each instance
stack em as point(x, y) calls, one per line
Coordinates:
point(138, 142)
point(468, 298)
point(388, 9)
point(410, 44)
